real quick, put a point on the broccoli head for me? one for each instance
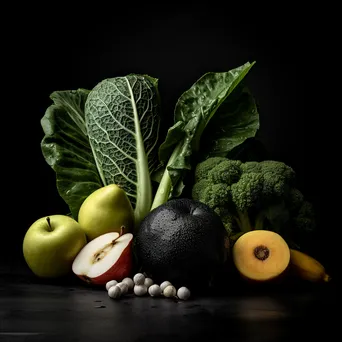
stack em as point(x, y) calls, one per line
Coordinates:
point(210, 193)
point(226, 172)
point(295, 199)
point(245, 195)
point(202, 169)
point(304, 218)
point(253, 195)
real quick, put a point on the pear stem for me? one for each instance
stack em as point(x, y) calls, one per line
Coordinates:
point(122, 231)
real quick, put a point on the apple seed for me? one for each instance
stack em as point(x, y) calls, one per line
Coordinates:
point(100, 254)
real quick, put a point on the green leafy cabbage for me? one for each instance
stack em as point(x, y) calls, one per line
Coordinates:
point(122, 119)
point(66, 148)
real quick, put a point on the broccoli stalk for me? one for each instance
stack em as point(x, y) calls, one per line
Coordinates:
point(259, 221)
point(243, 221)
point(275, 215)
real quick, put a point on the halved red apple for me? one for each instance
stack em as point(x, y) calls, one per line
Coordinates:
point(107, 257)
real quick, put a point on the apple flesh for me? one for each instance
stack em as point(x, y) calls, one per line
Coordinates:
point(107, 257)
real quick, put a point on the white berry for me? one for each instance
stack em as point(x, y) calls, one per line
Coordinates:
point(169, 291)
point(110, 284)
point(154, 290)
point(123, 287)
point(183, 293)
point(148, 282)
point(164, 284)
point(140, 290)
point(114, 292)
point(129, 282)
point(139, 279)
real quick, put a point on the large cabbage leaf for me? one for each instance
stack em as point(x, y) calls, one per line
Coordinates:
point(66, 147)
point(236, 120)
point(122, 119)
point(195, 108)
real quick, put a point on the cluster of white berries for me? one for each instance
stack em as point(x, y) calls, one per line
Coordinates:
point(140, 285)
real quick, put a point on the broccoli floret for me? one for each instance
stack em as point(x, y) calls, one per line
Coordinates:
point(251, 166)
point(305, 218)
point(245, 195)
point(278, 168)
point(278, 179)
point(199, 190)
point(204, 167)
point(295, 199)
point(227, 218)
point(246, 192)
point(227, 172)
point(253, 195)
point(212, 194)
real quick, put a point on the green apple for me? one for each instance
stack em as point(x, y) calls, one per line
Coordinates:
point(51, 244)
point(106, 210)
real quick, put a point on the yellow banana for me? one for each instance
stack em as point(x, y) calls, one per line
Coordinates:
point(307, 268)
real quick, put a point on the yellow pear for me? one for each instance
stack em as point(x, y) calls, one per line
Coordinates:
point(106, 210)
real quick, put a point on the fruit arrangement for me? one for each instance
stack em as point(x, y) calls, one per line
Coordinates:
point(158, 219)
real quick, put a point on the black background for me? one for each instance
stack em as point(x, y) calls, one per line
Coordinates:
point(59, 48)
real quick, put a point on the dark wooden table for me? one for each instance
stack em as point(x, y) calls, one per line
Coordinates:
point(32, 310)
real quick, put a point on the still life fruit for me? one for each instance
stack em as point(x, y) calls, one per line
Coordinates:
point(97, 217)
point(261, 255)
point(165, 216)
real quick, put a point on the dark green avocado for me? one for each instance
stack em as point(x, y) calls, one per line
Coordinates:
point(181, 241)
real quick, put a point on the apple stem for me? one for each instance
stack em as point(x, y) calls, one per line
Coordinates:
point(122, 230)
point(49, 223)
